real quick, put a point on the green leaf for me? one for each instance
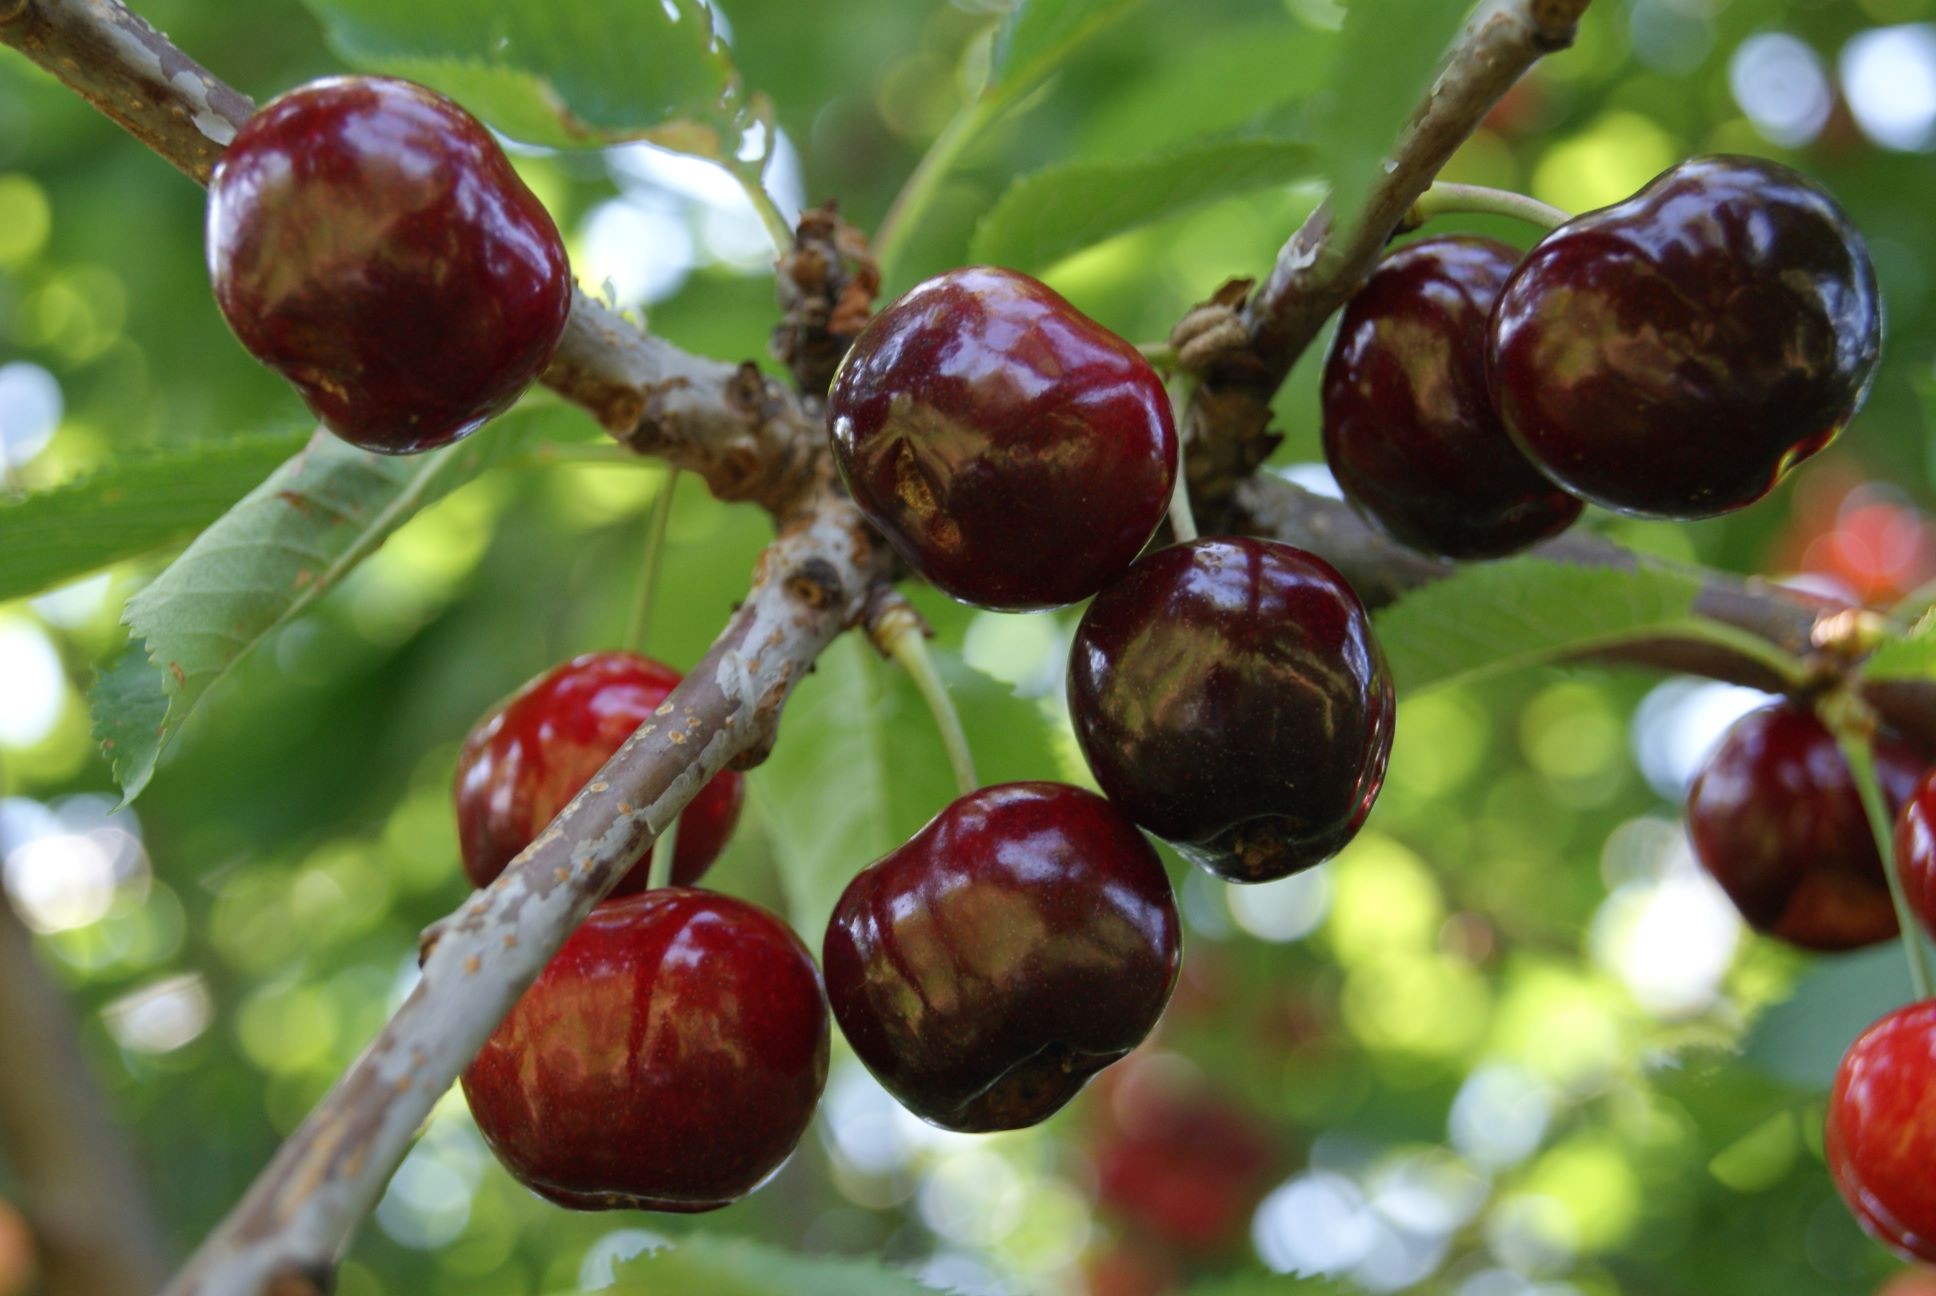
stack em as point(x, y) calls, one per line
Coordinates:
point(1038, 36)
point(1489, 617)
point(1388, 56)
point(567, 73)
point(859, 768)
point(1912, 657)
point(1801, 1040)
point(142, 501)
point(261, 564)
point(1063, 209)
point(734, 1266)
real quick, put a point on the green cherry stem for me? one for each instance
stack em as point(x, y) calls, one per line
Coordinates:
point(659, 872)
point(1444, 199)
point(640, 623)
point(1854, 727)
point(899, 633)
point(1183, 521)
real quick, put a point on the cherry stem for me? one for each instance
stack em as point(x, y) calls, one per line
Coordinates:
point(648, 588)
point(778, 228)
point(659, 872)
point(901, 636)
point(1445, 199)
point(1183, 521)
point(924, 182)
point(1854, 726)
point(1161, 355)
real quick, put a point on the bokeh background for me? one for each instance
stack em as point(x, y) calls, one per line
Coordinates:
point(1512, 1043)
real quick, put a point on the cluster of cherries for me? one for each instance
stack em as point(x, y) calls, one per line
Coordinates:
point(1671, 356)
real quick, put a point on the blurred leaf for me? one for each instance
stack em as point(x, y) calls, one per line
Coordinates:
point(1911, 657)
point(859, 768)
point(1230, 78)
point(141, 501)
point(1266, 1284)
point(1039, 35)
point(1489, 617)
point(1388, 56)
point(1802, 1039)
point(260, 565)
point(723, 1266)
point(1063, 209)
point(567, 73)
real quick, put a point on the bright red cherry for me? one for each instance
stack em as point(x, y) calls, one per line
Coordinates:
point(668, 1057)
point(1231, 698)
point(370, 242)
point(1409, 428)
point(1017, 454)
point(1882, 1130)
point(527, 758)
point(1675, 354)
point(1916, 849)
point(1021, 942)
point(1775, 818)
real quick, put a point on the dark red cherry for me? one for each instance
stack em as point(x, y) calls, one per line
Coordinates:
point(1881, 1138)
point(1231, 699)
point(1021, 942)
point(370, 242)
point(1675, 354)
point(668, 1058)
point(1017, 454)
point(1916, 849)
point(1409, 428)
point(1775, 818)
point(524, 760)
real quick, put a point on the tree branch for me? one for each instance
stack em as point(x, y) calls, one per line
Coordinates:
point(1319, 269)
point(90, 1213)
point(811, 584)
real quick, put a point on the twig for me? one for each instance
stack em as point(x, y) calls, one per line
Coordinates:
point(1319, 268)
point(812, 583)
point(84, 1199)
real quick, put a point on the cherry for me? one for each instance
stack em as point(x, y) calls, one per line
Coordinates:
point(369, 241)
point(527, 758)
point(1916, 849)
point(1775, 818)
point(1231, 699)
point(1022, 941)
point(1881, 1136)
point(1016, 453)
point(668, 1057)
point(1675, 354)
point(1409, 428)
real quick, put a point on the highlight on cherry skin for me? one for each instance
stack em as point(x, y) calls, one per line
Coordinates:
point(1410, 432)
point(1015, 452)
point(1231, 698)
point(1774, 817)
point(368, 239)
point(528, 757)
point(1881, 1135)
point(1022, 941)
point(586, 1108)
point(1676, 354)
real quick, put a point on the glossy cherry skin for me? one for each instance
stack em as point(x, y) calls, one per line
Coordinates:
point(369, 241)
point(668, 1057)
point(1881, 1139)
point(1409, 428)
point(1775, 818)
point(1230, 698)
point(1675, 354)
point(524, 760)
point(1916, 849)
point(1021, 942)
point(1016, 453)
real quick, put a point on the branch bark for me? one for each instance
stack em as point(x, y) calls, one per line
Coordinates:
point(811, 584)
point(1319, 269)
point(93, 1224)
